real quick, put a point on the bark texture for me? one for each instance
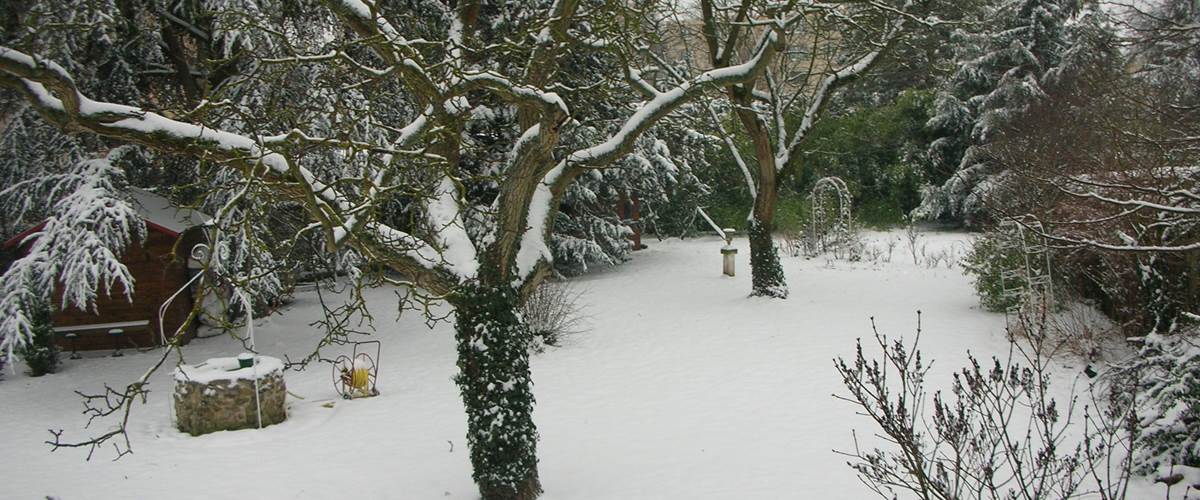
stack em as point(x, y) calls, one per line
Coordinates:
point(494, 380)
point(765, 269)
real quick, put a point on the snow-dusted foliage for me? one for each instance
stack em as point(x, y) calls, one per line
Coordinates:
point(1168, 403)
point(77, 251)
point(1167, 42)
point(589, 229)
point(88, 38)
point(1004, 64)
point(188, 57)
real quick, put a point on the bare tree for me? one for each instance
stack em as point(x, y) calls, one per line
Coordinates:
point(830, 45)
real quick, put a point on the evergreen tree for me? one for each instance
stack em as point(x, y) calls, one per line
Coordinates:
point(1002, 70)
point(41, 353)
point(589, 230)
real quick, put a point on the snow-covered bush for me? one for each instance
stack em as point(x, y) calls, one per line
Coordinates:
point(1006, 62)
point(986, 260)
point(1168, 402)
point(41, 353)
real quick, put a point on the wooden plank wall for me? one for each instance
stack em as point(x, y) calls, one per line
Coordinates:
point(156, 276)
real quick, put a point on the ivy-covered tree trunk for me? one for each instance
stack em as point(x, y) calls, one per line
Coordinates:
point(493, 363)
point(765, 270)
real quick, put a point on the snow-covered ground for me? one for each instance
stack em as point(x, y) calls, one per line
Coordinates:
point(682, 388)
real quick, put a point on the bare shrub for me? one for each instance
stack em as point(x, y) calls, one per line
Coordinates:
point(911, 236)
point(1082, 331)
point(554, 312)
point(792, 243)
point(997, 434)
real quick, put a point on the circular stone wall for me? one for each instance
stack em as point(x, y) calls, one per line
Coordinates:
point(218, 395)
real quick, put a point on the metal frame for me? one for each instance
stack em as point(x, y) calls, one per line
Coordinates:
point(818, 240)
point(344, 366)
point(1031, 283)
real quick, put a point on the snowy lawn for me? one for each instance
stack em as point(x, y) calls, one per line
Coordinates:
point(682, 388)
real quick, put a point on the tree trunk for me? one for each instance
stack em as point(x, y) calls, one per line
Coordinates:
point(493, 362)
point(765, 270)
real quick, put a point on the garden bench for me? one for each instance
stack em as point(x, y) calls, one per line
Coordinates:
point(115, 331)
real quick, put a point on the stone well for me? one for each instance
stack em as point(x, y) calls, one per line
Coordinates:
point(218, 395)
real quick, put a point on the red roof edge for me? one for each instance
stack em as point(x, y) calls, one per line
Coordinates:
point(16, 240)
point(161, 229)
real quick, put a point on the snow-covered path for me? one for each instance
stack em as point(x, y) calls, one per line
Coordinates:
point(682, 388)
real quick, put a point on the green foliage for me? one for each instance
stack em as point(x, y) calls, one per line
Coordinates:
point(878, 214)
point(879, 152)
point(766, 271)
point(1167, 373)
point(791, 213)
point(41, 354)
point(493, 362)
point(986, 260)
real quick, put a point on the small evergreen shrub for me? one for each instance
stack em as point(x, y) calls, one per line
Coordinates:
point(1167, 372)
point(986, 260)
point(41, 354)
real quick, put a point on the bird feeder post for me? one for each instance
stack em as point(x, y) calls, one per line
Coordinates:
point(728, 254)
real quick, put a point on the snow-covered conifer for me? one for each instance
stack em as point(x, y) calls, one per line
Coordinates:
point(1002, 70)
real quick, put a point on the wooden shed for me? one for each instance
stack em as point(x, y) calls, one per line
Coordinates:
point(160, 266)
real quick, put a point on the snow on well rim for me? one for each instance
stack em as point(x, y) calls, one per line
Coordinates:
point(215, 369)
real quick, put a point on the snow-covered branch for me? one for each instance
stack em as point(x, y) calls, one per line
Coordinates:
point(664, 103)
point(54, 94)
point(829, 84)
point(549, 102)
point(365, 19)
point(77, 251)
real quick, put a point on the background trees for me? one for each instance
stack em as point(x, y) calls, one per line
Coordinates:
point(1006, 57)
point(831, 46)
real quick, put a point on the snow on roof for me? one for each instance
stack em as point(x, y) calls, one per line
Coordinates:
point(156, 210)
point(159, 211)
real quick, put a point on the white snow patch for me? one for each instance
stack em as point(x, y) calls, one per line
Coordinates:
point(682, 388)
point(534, 247)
